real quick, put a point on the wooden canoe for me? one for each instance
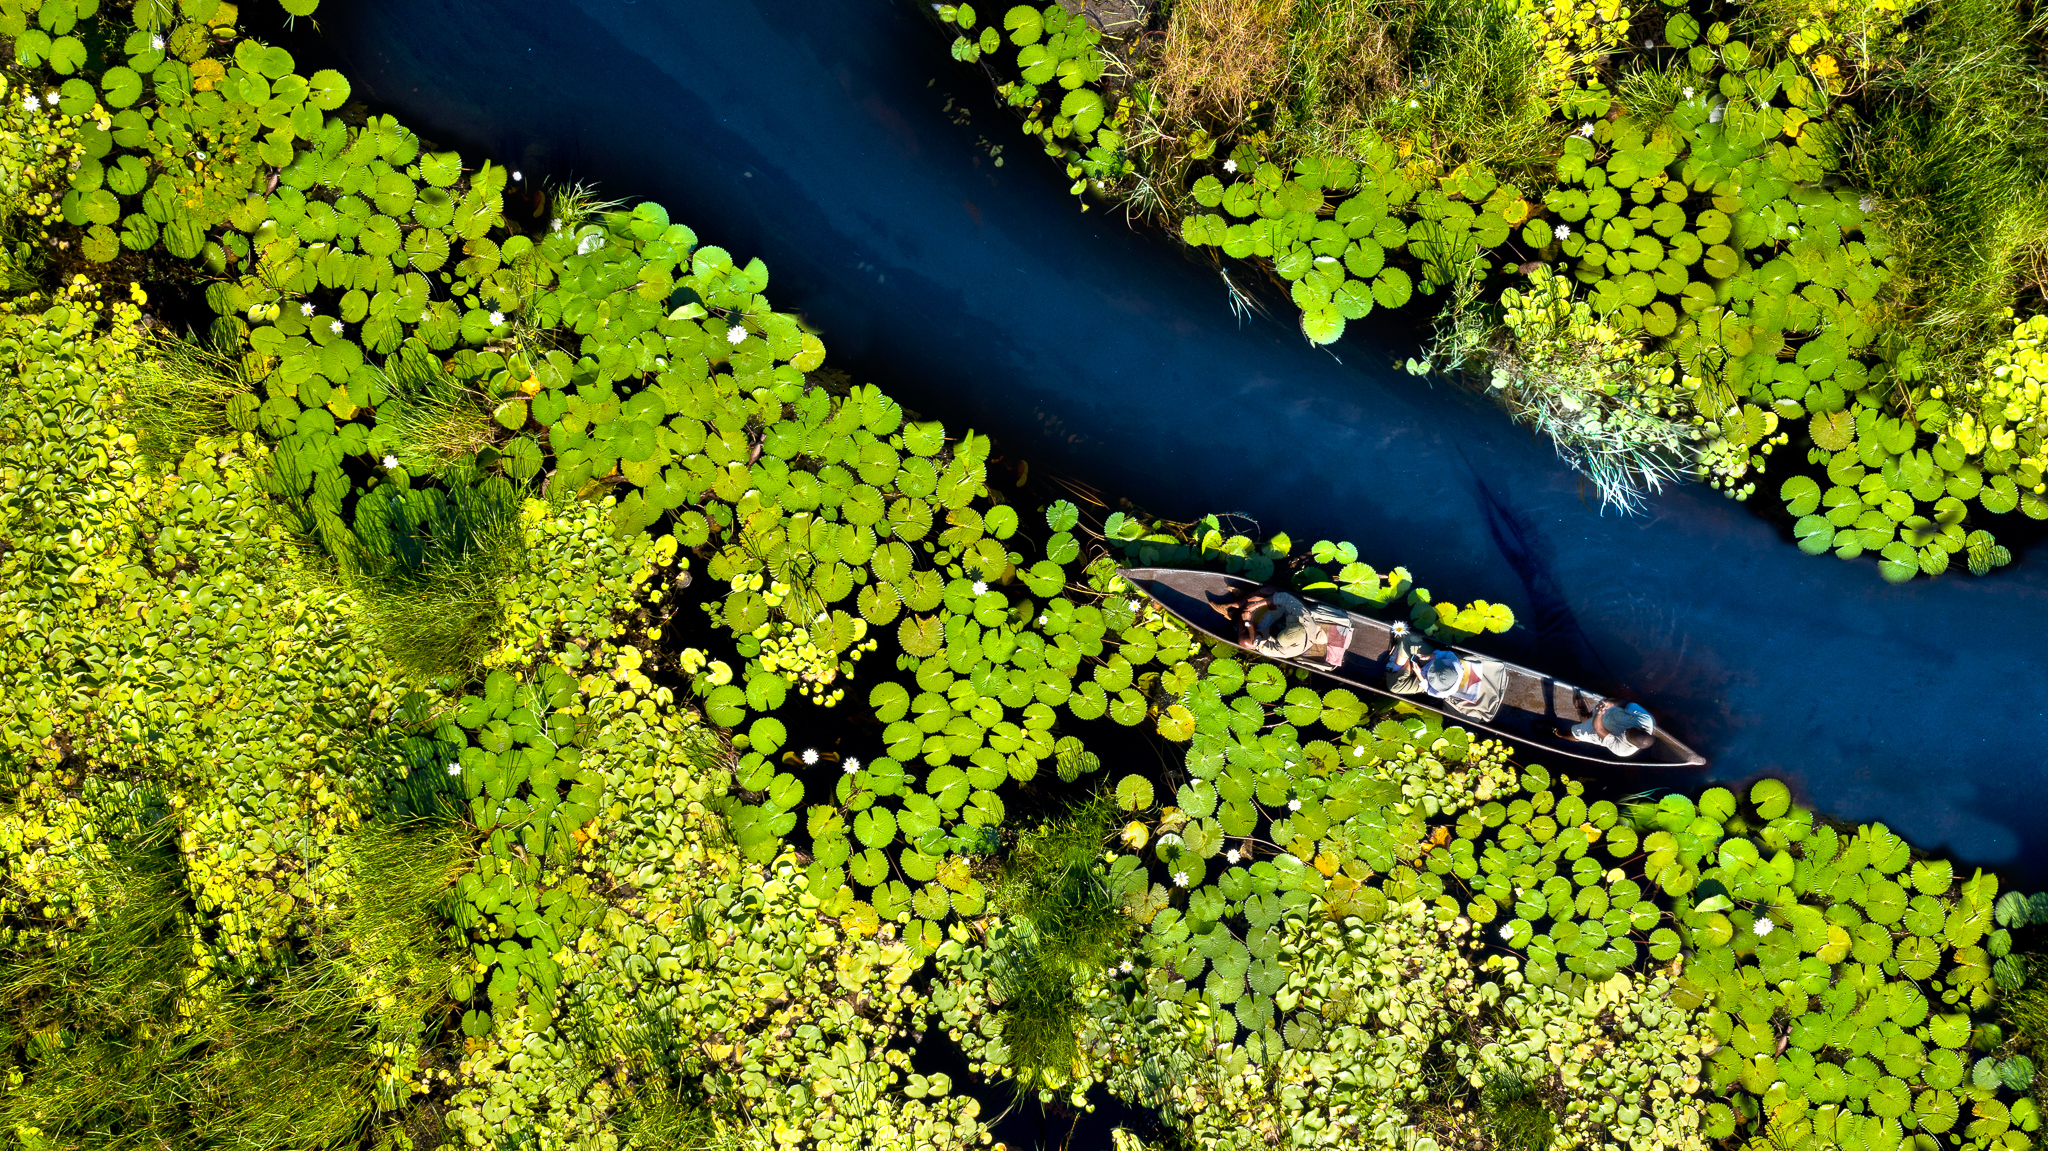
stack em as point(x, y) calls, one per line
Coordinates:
point(1533, 701)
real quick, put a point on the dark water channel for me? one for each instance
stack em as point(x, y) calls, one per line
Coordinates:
point(806, 132)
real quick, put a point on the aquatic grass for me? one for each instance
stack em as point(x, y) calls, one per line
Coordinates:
point(1473, 93)
point(433, 420)
point(424, 566)
point(1516, 1116)
point(1952, 140)
point(179, 390)
point(397, 943)
point(1069, 925)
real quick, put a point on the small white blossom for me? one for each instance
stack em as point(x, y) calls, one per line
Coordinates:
point(454, 769)
point(735, 334)
point(1688, 91)
point(156, 43)
point(1507, 931)
point(1125, 967)
point(1180, 879)
point(306, 309)
point(850, 765)
point(1041, 619)
point(1866, 203)
point(31, 103)
point(980, 587)
point(497, 318)
point(334, 326)
point(1230, 165)
point(555, 225)
point(1561, 231)
point(1358, 752)
point(810, 755)
point(1294, 805)
point(1232, 855)
point(1763, 927)
point(1586, 129)
point(50, 97)
point(390, 461)
point(517, 175)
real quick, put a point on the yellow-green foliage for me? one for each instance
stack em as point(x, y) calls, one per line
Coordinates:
point(1624, 1060)
point(2011, 398)
point(156, 636)
point(1574, 36)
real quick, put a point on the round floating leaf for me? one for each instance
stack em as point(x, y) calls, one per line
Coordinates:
point(327, 90)
point(1134, 793)
point(1392, 287)
point(1801, 495)
point(767, 734)
point(1771, 797)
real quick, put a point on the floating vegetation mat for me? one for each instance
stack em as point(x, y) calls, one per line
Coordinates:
point(496, 686)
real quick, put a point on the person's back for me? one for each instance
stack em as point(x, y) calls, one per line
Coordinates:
point(1621, 729)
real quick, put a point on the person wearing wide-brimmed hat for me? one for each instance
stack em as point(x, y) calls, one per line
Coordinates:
point(1469, 684)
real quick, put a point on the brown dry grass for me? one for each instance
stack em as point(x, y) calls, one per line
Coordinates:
point(1218, 57)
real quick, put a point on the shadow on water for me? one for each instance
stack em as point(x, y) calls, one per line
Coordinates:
point(807, 133)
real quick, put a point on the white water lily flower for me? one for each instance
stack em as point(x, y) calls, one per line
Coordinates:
point(735, 334)
point(31, 103)
point(1764, 927)
point(497, 318)
point(555, 225)
point(306, 309)
point(1586, 129)
point(1180, 879)
point(517, 175)
point(850, 765)
point(454, 769)
point(390, 461)
point(1507, 932)
point(50, 97)
point(1561, 231)
point(334, 326)
point(810, 755)
point(1232, 855)
point(980, 587)
point(1230, 165)
point(1688, 91)
point(1358, 752)
point(1294, 805)
point(156, 43)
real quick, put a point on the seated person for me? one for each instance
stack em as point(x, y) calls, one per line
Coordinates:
point(1274, 623)
point(1623, 730)
point(1471, 686)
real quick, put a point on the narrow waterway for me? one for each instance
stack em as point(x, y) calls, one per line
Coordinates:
point(818, 135)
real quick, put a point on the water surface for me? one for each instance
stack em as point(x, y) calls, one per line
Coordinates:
point(816, 134)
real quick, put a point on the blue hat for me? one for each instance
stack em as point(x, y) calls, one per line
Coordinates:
point(1443, 672)
point(1619, 719)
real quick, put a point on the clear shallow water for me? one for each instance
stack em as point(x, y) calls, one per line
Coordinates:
point(803, 131)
